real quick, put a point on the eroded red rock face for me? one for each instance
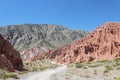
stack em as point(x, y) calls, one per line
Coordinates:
point(29, 54)
point(102, 43)
point(9, 57)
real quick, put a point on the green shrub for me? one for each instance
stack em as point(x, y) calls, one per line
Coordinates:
point(109, 67)
point(78, 65)
point(116, 64)
point(11, 75)
point(117, 60)
point(106, 71)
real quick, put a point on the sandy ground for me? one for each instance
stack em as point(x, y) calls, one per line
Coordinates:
point(94, 71)
point(106, 70)
point(44, 75)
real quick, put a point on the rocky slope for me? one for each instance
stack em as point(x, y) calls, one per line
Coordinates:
point(28, 54)
point(27, 36)
point(9, 57)
point(102, 43)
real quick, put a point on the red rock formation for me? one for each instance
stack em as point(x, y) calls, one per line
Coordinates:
point(9, 57)
point(102, 43)
point(29, 54)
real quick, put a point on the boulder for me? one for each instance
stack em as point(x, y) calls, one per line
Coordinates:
point(9, 58)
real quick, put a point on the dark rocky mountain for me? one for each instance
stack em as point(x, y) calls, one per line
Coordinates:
point(9, 57)
point(102, 44)
point(28, 36)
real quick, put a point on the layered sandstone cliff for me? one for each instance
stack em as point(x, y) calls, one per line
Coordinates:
point(9, 57)
point(102, 43)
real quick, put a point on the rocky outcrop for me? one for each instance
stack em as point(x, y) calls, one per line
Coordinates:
point(103, 43)
point(9, 57)
point(28, 36)
point(29, 54)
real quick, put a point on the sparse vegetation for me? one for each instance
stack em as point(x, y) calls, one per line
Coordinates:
point(108, 67)
point(94, 65)
point(103, 61)
point(39, 65)
point(70, 65)
point(30, 66)
point(78, 65)
point(105, 71)
point(118, 78)
point(4, 74)
point(104, 68)
point(117, 60)
point(84, 70)
point(12, 75)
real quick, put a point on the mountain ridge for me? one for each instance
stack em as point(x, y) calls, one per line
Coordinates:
point(51, 36)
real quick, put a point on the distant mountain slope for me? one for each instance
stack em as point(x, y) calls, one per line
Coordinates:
point(27, 36)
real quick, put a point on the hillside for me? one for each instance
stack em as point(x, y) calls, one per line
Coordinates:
point(9, 57)
point(27, 36)
point(103, 43)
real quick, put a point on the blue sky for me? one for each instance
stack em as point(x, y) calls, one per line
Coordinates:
point(75, 14)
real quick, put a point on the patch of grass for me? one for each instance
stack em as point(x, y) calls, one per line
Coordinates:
point(94, 65)
point(11, 75)
point(108, 67)
point(4, 74)
point(39, 65)
point(78, 65)
point(116, 63)
point(106, 71)
point(117, 60)
point(70, 65)
point(23, 72)
point(89, 63)
point(117, 78)
point(103, 61)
